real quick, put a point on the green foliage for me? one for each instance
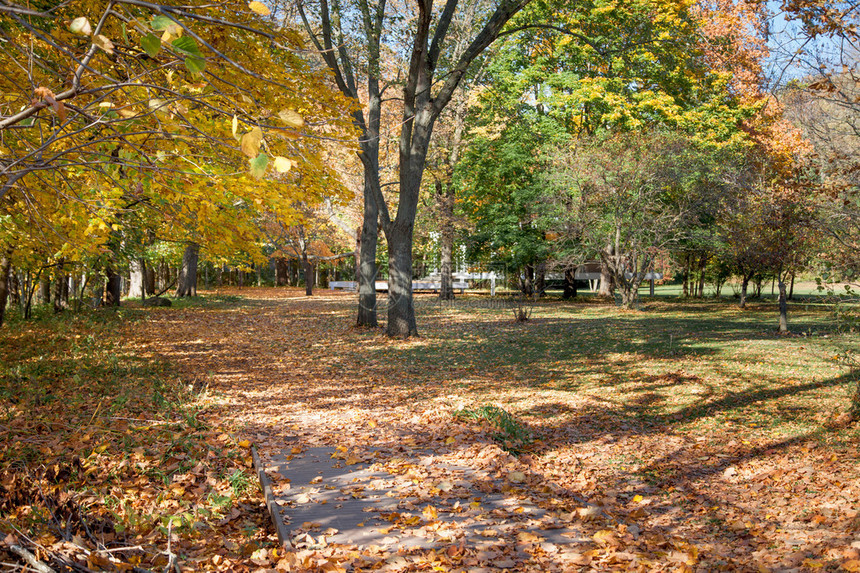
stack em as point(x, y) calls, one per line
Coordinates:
point(511, 433)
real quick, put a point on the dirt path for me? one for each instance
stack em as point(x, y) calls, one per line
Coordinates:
point(292, 374)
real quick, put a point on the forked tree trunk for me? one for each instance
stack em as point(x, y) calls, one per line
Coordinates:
point(401, 310)
point(5, 265)
point(187, 283)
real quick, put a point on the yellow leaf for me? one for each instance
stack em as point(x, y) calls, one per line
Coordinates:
point(605, 536)
point(528, 537)
point(104, 43)
point(450, 440)
point(352, 460)
point(259, 8)
point(853, 566)
point(291, 117)
point(516, 477)
point(371, 423)
point(251, 142)
point(282, 165)
point(172, 32)
point(235, 126)
point(430, 513)
point(245, 444)
point(637, 498)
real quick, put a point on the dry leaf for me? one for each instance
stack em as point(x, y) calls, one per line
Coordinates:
point(259, 8)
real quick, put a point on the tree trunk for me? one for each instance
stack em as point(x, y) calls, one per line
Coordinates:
point(14, 288)
point(61, 289)
point(44, 291)
point(745, 282)
point(309, 275)
point(783, 307)
point(540, 279)
point(703, 262)
point(137, 271)
point(527, 283)
point(791, 288)
point(281, 271)
point(5, 265)
point(607, 284)
point(401, 310)
point(445, 201)
point(686, 284)
point(367, 269)
point(112, 288)
point(569, 283)
point(187, 283)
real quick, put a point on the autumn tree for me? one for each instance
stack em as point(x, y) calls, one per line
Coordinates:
point(428, 84)
point(136, 114)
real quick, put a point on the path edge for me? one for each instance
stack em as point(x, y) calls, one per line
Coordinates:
point(272, 507)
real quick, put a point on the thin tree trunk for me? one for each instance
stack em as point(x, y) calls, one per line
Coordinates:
point(309, 275)
point(367, 269)
point(187, 284)
point(744, 285)
point(61, 287)
point(445, 201)
point(5, 265)
point(783, 307)
point(703, 262)
point(791, 288)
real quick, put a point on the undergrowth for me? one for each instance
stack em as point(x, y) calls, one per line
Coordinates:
point(511, 434)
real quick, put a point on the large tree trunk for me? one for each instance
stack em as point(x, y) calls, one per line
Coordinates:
point(187, 284)
point(783, 307)
point(540, 279)
point(112, 288)
point(45, 291)
point(5, 265)
point(281, 271)
point(137, 270)
point(367, 269)
point(527, 282)
point(607, 284)
point(569, 283)
point(401, 310)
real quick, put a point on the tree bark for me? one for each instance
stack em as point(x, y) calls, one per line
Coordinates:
point(5, 265)
point(187, 284)
point(783, 307)
point(281, 271)
point(367, 270)
point(401, 310)
point(308, 271)
point(607, 284)
point(445, 200)
point(136, 281)
point(569, 283)
point(540, 279)
point(45, 291)
point(112, 288)
point(745, 282)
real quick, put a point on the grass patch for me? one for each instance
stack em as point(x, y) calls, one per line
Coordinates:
point(511, 434)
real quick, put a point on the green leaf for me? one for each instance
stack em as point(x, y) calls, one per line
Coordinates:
point(151, 44)
point(187, 46)
point(160, 23)
point(258, 165)
point(194, 64)
point(124, 34)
